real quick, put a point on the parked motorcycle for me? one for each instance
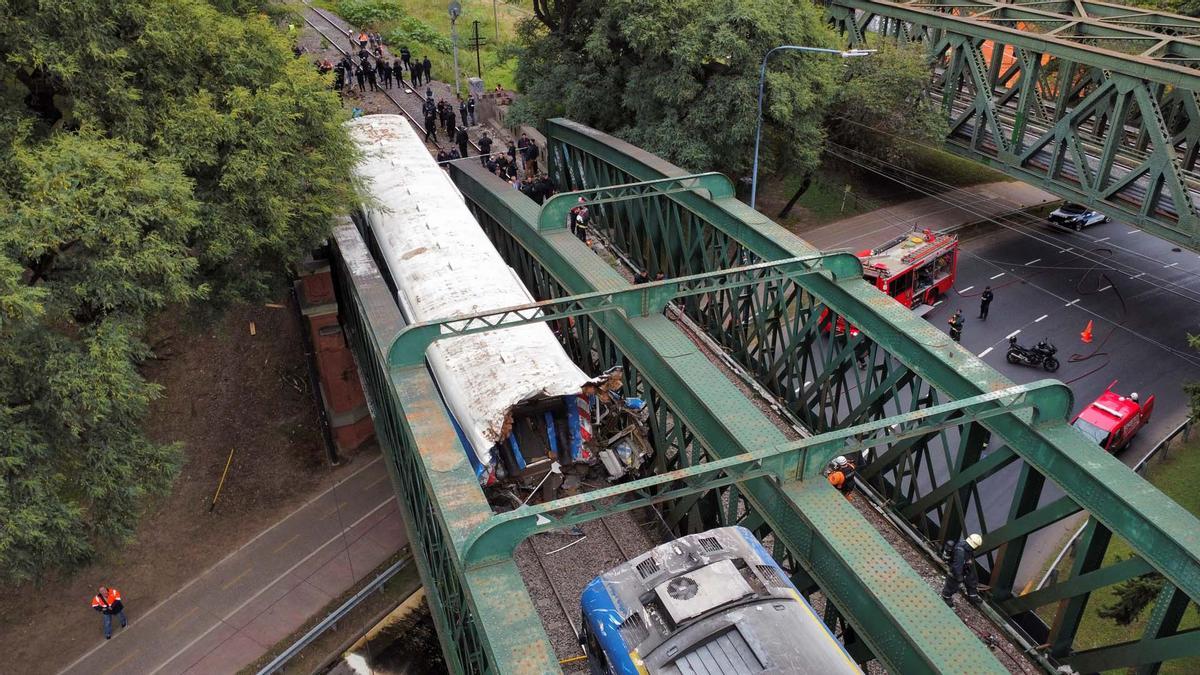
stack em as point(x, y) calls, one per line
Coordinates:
point(1039, 355)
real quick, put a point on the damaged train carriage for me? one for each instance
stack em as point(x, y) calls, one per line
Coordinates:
point(531, 420)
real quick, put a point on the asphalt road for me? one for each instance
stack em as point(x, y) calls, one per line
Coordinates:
point(1142, 296)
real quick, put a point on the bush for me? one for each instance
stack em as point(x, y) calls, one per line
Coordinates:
point(367, 12)
point(413, 30)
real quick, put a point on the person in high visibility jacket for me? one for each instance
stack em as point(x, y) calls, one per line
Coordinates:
point(107, 601)
point(842, 475)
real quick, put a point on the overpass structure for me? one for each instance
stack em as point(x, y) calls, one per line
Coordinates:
point(940, 421)
point(1096, 102)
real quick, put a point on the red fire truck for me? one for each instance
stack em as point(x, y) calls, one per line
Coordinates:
point(916, 268)
point(1112, 420)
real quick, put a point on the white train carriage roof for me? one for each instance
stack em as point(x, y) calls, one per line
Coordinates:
point(444, 266)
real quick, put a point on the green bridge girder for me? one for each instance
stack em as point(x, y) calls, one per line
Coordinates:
point(762, 294)
point(1093, 101)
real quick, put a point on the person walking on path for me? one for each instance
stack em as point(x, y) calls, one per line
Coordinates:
point(471, 109)
point(985, 300)
point(450, 119)
point(415, 74)
point(405, 57)
point(956, 326)
point(460, 137)
point(430, 126)
point(362, 78)
point(107, 601)
point(427, 66)
point(485, 148)
point(962, 571)
point(385, 73)
point(371, 77)
point(462, 112)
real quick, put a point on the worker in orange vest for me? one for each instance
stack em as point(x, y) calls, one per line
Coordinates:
point(842, 475)
point(107, 601)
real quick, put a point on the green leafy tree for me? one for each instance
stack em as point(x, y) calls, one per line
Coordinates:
point(1132, 597)
point(680, 77)
point(152, 153)
point(880, 107)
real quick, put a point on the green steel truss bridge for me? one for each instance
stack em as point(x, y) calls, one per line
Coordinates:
point(1096, 102)
point(940, 420)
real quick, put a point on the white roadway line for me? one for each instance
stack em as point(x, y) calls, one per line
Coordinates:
point(938, 303)
point(964, 290)
point(1133, 232)
point(1040, 318)
point(1100, 240)
point(1171, 265)
point(1137, 275)
point(1104, 289)
point(1034, 261)
point(262, 590)
point(239, 549)
point(1071, 302)
point(1010, 335)
point(1066, 250)
point(985, 352)
point(997, 276)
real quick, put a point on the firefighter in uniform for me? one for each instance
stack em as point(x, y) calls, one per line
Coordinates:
point(107, 601)
point(962, 571)
point(956, 326)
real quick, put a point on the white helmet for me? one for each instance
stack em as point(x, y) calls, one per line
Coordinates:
point(974, 540)
point(1133, 397)
point(840, 460)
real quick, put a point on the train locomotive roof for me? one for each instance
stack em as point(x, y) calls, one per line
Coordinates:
point(713, 601)
point(444, 266)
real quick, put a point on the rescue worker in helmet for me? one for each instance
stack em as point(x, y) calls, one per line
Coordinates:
point(1133, 397)
point(842, 475)
point(962, 571)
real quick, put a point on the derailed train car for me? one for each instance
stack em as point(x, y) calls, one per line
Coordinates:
point(713, 602)
point(527, 415)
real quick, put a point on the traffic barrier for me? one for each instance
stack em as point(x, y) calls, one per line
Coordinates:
point(1086, 335)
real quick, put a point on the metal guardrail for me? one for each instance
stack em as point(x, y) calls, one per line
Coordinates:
point(1184, 429)
point(330, 621)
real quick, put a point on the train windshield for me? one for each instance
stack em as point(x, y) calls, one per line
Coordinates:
point(1092, 431)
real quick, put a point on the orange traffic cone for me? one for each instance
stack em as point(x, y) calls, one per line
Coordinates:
point(1086, 335)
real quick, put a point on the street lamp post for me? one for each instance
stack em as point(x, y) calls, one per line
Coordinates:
point(762, 80)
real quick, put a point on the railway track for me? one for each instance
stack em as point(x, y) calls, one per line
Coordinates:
point(335, 34)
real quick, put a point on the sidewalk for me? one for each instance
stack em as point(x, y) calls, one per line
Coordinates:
point(233, 613)
point(940, 212)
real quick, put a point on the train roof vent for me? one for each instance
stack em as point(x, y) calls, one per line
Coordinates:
point(648, 567)
point(771, 576)
point(710, 544)
point(700, 590)
point(633, 629)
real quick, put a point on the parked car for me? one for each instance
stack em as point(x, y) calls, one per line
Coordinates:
point(1077, 216)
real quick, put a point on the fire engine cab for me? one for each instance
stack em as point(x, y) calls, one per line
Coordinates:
point(916, 268)
point(1112, 420)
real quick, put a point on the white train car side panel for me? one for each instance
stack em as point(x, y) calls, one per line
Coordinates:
point(444, 266)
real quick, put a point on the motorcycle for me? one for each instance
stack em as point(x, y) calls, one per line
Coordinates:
point(1041, 354)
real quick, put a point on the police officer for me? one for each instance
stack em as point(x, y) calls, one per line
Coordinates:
point(956, 326)
point(485, 148)
point(985, 300)
point(460, 137)
point(962, 571)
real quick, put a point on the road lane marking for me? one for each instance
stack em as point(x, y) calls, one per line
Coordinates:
point(1104, 239)
point(1034, 261)
point(964, 290)
point(1040, 318)
point(1012, 334)
point(985, 352)
point(1071, 302)
point(181, 617)
point(284, 545)
point(997, 276)
point(1066, 250)
point(122, 662)
point(265, 588)
point(225, 586)
point(1133, 232)
point(1137, 275)
point(382, 476)
point(1171, 265)
point(378, 458)
point(1104, 289)
point(938, 303)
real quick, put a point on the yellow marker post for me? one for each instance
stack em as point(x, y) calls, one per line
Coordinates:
point(222, 483)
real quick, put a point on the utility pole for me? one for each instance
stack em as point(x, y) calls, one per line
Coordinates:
point(455, 10)
point(495, 22)
point(477, 42)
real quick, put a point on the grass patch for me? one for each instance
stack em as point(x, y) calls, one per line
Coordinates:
point(1175, 476)
point(954, 170)
point(424, 27)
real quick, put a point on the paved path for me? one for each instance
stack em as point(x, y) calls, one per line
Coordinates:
point(950, 209)
point(233, 613)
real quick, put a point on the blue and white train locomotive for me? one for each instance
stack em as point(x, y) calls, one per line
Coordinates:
point(714, 602)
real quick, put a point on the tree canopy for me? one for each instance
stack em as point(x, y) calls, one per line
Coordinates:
point(680, 77)
point(152, 153)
